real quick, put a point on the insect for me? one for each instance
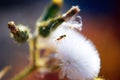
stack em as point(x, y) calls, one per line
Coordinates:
point(61, 37)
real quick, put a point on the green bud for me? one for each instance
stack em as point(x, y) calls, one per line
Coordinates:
point(51, 11)
point(20, 33)
point(45, 28)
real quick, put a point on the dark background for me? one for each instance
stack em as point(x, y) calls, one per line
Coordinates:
point(101, 24)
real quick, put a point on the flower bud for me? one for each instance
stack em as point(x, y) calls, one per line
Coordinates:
point(46, 27)
point(20, 33)
point(51, 11)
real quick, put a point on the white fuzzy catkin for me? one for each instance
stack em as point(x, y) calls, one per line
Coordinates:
point(79, 57)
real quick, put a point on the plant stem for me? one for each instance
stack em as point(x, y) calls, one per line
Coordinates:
point(34, 51)
point(32, 45)
point(33, 61)
point(4, 71)
point(24, 73)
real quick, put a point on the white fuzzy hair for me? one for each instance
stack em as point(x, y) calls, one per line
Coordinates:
point(79, 57)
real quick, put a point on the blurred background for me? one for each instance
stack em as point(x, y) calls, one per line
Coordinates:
point(101, 24)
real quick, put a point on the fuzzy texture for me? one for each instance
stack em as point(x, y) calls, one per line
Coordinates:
point(79, 57)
